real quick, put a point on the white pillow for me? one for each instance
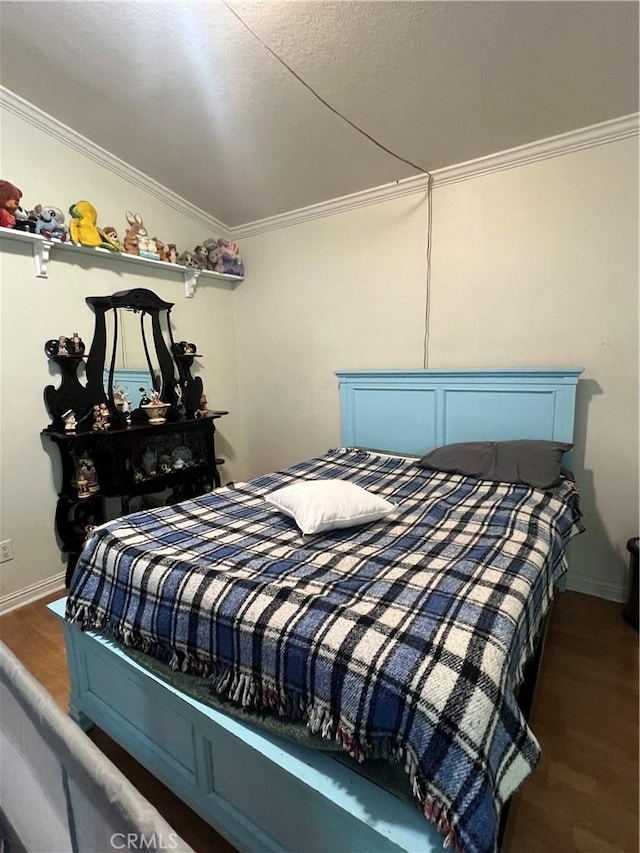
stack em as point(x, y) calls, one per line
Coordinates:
point(318, 505)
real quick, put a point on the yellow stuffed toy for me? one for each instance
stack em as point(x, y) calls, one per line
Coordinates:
point(84, 230)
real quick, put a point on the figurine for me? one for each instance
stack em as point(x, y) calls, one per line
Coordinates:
point(123, 404)
point(184, 348)
point(156, 409)
point(172, 253)
point(179, 404)
point(50, 223)
point(62, 346)
point(77, 344)
point(10, 197)
point(101, 417)
point(83, 489)
point(165, 463)
point(83, 226)
point(204, 407)
point(144, 400)
point(148, 461)
point(70, 421)
point(88, 474)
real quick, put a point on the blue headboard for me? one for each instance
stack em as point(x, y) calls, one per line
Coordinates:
point(413, 411)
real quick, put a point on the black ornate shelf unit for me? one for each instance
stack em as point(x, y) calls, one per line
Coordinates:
point(122, 455)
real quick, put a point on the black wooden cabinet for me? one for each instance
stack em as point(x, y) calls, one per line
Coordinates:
point(108, 453)
point(126, 462)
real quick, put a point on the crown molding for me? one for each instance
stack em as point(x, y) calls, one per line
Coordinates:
point(407, 186)
point(543, 149)
point(48, 124)
point(566, 143)
point(555, 146)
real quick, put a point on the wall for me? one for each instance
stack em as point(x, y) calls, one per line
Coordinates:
point(548, 274)
point(33, 310)
point(344, 291)
point(535, 265)
point(531, 266)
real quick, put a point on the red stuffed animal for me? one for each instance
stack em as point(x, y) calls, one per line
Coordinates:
point(9, 202)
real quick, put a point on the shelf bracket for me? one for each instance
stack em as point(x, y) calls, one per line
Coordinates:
point(190, 279)
point(41, 250)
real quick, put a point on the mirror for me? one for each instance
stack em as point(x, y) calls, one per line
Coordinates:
point(132, 333)
point(130, 354)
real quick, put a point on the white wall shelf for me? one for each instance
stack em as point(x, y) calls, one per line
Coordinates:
point(42, 249)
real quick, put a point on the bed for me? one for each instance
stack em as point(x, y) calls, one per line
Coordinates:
point(403, 638)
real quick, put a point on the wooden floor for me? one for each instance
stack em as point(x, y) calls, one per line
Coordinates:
point(583, 796)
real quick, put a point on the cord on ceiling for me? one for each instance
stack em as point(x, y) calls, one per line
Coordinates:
point(319, 97)
point(425, 358)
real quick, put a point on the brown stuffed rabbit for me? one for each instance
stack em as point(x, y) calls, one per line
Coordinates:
point(135, 230)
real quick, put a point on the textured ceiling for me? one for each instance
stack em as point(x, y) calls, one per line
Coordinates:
point(189, 96)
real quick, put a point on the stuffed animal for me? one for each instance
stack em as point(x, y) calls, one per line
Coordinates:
point(188, 259)
point(231, 262)
point(50, 222)
point(201, 253)
point(214, 255)
point(134, 232)
point(24, 221)
point(111, 236)
point(161, 249)
point(83, 226)
point(10, 197)
point(147, 247)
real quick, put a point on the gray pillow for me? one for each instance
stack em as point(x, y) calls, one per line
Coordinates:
point(528, 461)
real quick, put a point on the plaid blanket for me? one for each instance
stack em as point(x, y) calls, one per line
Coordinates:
point(402, 639)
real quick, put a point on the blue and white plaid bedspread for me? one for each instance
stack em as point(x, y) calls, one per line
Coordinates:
point(404, 638)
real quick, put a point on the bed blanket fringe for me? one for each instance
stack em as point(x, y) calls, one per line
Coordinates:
point(244, 690)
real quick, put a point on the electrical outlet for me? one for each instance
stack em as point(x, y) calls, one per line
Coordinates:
point(6, 551)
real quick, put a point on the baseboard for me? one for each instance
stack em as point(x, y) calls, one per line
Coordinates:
point(32, 593)
point(593, 586)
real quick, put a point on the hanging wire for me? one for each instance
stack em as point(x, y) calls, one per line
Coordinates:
point(319, 97)
point(425, 356)
point(427, 294)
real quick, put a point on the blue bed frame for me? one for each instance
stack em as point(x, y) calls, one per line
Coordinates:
point(260, 792)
